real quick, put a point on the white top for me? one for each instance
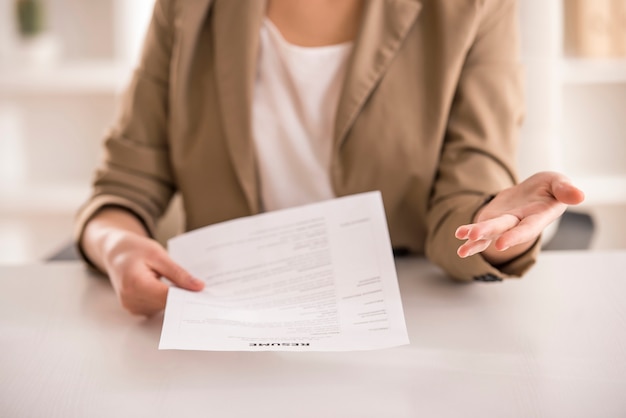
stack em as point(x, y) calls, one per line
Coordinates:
point(293, 115)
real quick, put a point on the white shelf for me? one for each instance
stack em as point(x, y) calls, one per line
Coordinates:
point(602, 190)
point(49, 198)
point(593, 71)
point(89, 77)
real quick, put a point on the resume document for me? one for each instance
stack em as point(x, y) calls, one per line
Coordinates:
point(319, 277)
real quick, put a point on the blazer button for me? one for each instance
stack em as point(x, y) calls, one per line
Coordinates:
point(488, 278)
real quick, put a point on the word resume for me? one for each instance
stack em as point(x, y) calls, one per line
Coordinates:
point(319, 277)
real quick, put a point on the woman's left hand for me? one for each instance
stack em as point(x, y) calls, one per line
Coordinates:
point(510, 223)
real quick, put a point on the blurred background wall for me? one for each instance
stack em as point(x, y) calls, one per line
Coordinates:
point(574, 54)
point(63, 64)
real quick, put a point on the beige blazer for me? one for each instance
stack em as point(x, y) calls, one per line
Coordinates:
point(428, 115)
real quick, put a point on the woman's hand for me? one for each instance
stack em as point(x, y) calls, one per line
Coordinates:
point(116, 242)
point(135, 265)
point(509, 224)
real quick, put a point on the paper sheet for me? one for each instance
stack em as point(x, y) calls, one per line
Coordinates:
point(319, 277)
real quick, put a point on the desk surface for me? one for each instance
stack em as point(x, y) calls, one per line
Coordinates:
point(550, 345)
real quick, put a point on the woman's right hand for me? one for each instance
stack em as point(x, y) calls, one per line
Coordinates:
point(117, 243)
point(135, 265)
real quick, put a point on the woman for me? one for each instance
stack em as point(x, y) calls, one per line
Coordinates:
point(245, 106)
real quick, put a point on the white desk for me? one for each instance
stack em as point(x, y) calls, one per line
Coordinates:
point(550, 345)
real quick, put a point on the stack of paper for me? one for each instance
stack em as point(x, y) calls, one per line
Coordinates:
point(319, 277)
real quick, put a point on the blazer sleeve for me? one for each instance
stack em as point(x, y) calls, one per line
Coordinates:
point(135, 172)
point(479, 151)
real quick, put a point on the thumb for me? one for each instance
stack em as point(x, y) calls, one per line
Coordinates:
point(175, 273)
point(566, 192)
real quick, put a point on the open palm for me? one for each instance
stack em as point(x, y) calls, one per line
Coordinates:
point(519, 214)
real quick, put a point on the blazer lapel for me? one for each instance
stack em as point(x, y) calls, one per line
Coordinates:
point(385, 25)
point(236, 26)
point(193, 14)
point(236, 32)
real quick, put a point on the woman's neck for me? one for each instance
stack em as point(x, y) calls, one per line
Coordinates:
point(316, 22)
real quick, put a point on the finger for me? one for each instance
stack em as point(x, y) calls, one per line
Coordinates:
point(462, 232)
point(142, 292)
point(164, 265)
point(152, 296)
point(473, 247)
point(527, 230)
point(567, 193)
point(487, 229)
